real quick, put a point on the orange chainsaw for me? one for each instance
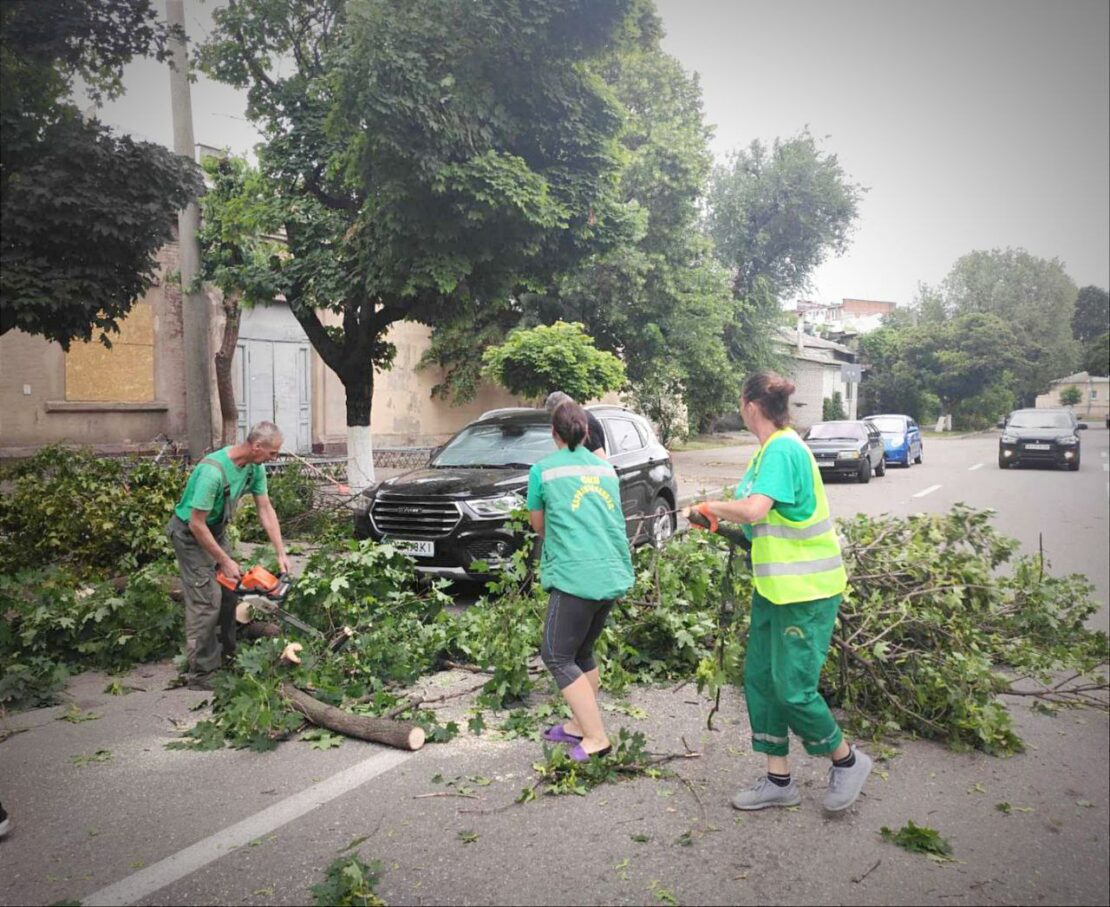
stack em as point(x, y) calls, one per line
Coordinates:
point(258, 582)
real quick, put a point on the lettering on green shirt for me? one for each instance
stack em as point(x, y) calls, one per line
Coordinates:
point(585, 547)
point(205, 488)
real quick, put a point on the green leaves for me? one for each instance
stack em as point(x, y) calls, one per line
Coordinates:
point(920, 839)
point(561, 356)
point(349, 883)
point(320, 739)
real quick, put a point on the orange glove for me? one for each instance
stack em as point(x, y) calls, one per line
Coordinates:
point(703, 509)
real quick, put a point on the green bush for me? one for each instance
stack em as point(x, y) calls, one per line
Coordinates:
point(832, 408)
point(54, 623)
point(293, 494)
point(99, 514)
point(561, 356)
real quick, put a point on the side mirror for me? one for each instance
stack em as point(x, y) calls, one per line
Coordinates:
point(1001, 423)
point(1082, 425)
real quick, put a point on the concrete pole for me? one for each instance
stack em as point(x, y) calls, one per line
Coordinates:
point(194, 306)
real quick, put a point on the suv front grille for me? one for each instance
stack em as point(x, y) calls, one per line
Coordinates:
point(414, 518)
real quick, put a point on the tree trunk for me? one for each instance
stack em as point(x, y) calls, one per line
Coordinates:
point(359, 385)
point(399, 734)
point(229, 412)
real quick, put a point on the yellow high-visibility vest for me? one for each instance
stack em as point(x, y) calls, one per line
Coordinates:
point(797, 561)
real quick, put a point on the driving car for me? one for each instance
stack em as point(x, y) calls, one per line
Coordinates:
point(850, 448)
point(901, 438)
point(1044, 436)
point(452, 515)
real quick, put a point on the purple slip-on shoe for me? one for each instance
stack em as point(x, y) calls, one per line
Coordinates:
point(580, 755)
point(556, 734)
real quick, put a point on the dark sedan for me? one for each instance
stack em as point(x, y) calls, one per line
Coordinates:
point(451, 516)
point(853, 449)
point(1046, 436)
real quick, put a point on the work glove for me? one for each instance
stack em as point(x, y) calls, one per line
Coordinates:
point(701, 517)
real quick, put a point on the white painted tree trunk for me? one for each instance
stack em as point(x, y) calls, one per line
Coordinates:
point(360, 458)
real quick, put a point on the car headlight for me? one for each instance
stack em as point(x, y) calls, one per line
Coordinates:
point(494, 508)
point(1069, 440)
point(848, 455)
point(1009, 439)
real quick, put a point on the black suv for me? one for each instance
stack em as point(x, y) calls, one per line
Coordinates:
point(1049, 436)
point(451, 515)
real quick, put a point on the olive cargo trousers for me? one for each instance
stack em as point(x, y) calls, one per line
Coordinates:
point(209, 607)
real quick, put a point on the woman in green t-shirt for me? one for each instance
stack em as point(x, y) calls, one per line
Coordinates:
point(575, 502)
point(798, 580)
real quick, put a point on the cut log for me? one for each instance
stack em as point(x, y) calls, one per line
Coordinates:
point(400, 734)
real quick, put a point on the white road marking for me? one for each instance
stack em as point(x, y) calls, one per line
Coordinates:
point(928, 490)
point(140, 885)
point(976, 466)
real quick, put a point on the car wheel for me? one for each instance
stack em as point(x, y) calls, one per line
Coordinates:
point(1003, 463)
point(865, 472)
point(664, 521)
point(880, 470)
point(920, 454)
point(1074, 467)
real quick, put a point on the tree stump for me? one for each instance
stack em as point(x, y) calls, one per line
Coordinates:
point(399, 734)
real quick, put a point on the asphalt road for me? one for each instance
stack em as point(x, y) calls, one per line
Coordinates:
point(150, 825)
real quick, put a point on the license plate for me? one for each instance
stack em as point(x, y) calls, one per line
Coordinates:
point(1038, 447)
point(826, 464)
point(414, 547)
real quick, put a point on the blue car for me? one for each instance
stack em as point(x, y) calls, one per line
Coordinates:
point(901, 438)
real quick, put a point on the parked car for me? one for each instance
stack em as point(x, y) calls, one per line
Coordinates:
point(451, 515)
point(1045, 436)
point(901, 438)
point(847, 448)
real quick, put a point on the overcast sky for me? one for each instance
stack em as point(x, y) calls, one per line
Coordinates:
point(975, 124)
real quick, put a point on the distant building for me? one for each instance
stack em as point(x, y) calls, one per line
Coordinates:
point(815, 366)
point(847, 317)
point(1094, 388)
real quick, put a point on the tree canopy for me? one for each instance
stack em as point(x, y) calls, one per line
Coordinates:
point(433, 156)
point(1034, 296)
point(82, 211)
point(533, 362)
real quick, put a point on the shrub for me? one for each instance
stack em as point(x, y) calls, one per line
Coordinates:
point(101, 514)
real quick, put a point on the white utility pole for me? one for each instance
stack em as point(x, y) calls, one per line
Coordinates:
point(194, 306)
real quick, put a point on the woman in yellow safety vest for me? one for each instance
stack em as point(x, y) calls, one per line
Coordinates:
point(799, 579)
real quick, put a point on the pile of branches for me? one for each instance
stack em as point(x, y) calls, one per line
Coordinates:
point(941, 620)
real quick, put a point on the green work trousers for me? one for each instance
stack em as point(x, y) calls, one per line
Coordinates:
point(209, 607)
point(786, 649)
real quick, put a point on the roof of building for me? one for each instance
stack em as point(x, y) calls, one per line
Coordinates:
point(790, 335)
point(1081, 378)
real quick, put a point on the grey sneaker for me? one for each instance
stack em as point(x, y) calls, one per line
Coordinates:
point(845, 784)
point(766, 793)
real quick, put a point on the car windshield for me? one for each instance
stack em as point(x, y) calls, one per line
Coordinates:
point(836, 431)
point(498, 444)
point(1041, 420)
point(889, 425)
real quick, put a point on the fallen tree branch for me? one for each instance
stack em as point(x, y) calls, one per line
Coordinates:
point(402, 735)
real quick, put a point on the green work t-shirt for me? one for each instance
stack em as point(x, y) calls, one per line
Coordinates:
point(205, 488)
point(585, 546)
point(783, 471)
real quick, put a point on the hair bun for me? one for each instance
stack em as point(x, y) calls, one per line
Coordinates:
point(781, 386)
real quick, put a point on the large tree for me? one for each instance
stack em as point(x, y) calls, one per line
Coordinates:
point(1034, 296)
point(1092, 314)
point(775, 214)
point(657, 297)
point(432, 155)
point(241, 250)
point(82, 210)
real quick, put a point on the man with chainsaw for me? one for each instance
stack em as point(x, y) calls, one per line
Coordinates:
point(798, 580)
point(198, 532)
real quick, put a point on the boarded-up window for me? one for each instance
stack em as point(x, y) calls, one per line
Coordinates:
point(122, 374)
